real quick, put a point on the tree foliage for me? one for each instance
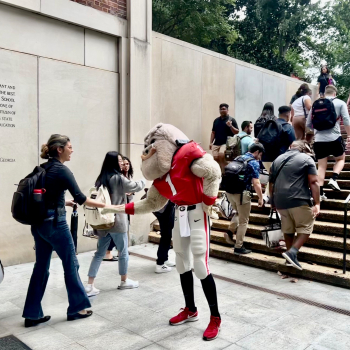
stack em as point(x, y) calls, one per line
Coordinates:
point(334, 44)
point(272, 32)
point(285, 36)
point(201, 22)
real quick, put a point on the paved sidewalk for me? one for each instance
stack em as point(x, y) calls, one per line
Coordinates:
point(138, 319)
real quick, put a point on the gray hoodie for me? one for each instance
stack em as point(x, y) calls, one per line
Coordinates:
point(120, 185)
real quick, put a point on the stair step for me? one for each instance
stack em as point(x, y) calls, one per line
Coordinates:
point(330, 203)
point(331, 194)
point(309, 254)
point(325, 228)
point(343, 175)
point(316, 240)
point(330, 166)
point(319, 273)
point(325, 215)
point(347, 158)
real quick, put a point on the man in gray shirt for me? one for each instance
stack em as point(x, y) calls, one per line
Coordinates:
point(292, 176)
point(330, 142)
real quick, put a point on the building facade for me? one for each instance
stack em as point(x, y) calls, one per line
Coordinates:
point(93, 70)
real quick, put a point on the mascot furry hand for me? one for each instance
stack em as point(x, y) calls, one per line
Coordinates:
point(181, 172)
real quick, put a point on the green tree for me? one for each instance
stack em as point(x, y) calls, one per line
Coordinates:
point(333, 45)
point(204, 23)
point(274, 33)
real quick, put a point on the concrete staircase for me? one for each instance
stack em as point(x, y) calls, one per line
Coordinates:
point(321, 257)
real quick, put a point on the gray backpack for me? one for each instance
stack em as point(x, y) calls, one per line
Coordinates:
point(233, 147)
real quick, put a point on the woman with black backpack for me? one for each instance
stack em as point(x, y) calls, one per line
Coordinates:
point(267, 113)
point(53, 234)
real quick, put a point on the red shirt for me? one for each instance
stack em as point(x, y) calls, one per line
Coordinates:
point(180, 185)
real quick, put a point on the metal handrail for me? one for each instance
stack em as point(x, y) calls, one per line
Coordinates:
point(346, 203)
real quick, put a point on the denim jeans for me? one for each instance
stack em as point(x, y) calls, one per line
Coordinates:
point(49, 236)
point(121, 243)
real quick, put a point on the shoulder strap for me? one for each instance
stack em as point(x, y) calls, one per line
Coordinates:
point(243, 137)
point(282, 165)
point(305, 114)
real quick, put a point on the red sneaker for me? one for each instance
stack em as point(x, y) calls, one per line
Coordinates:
point(213, 328)
point(184, 316)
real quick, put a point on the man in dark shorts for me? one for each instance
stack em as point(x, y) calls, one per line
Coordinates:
point(330, 142)
point(223, 127)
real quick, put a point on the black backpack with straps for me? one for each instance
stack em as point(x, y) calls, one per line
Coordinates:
point(270, 137)
point(25, 209)
point(324, 115)
point(233, 178)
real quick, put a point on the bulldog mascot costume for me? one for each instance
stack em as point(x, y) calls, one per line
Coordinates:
point(185, 174)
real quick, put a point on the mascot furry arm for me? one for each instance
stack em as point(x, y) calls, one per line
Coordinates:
point(166, 149)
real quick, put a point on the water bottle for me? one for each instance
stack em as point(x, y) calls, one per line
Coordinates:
point(39, 202)
point(38, 195)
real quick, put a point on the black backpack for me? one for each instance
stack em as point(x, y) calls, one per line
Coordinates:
point(233, 178)
point(260, 122)
point(324, 115)
point(270, 137)
point(24, 208)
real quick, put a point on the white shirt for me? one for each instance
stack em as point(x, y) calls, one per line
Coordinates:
point(298, 106)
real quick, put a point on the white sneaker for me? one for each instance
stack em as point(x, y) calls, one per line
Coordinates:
point(170, 263)
point(162, 268)
point(128, 284)
point(323, 198)
point(91, 290)
point(333, 185)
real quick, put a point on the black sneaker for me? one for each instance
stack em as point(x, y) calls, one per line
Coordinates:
point(292, 259)
point(229, 237)
point(242, 250)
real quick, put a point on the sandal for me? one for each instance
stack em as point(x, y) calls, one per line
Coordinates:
point(115, 258)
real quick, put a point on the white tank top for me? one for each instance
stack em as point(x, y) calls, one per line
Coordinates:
point(298, 106)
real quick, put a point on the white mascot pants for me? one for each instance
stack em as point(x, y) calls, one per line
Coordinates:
point(191, 234)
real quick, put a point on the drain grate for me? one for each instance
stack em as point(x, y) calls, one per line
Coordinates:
point(10, 342)
point(270, 291)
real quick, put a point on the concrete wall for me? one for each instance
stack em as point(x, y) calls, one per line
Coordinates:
point(105, 81)
point(63, 79)
point(189, 83)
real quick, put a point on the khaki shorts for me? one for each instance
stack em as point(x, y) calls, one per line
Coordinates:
point(218, 149)
point(300, 220)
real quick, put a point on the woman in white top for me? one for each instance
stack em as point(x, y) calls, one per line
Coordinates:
point(300, 110)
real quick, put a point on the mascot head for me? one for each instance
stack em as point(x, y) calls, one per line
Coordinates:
point(161, 143)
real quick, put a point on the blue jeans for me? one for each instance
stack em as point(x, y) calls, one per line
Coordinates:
point(49, 236)
point(121, 242)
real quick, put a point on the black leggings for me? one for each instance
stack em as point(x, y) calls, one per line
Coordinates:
point(166, 222)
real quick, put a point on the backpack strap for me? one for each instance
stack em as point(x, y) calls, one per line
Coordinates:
point(302, 101)
point(283, 164)
point(241, 138)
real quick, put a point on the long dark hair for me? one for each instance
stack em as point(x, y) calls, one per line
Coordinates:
point(328, 71)
point(303, 90)
point(268, 110)
point(130, 173)
point(110, 167)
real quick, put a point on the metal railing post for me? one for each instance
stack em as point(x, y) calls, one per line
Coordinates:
point(345, 231)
